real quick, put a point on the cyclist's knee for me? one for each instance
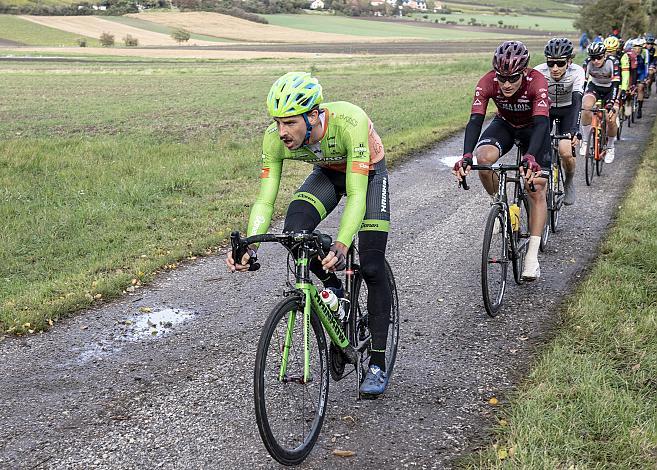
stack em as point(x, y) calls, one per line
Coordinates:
point(373, 267)
point(487, 154)
point(301, 215)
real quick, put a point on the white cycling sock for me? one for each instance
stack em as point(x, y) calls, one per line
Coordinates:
point(586, 132)
point(611, 142)
point(532, 250)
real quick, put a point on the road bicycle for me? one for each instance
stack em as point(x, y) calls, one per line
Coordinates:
point(506, 236)
point(293, 360)
point(597, 144)
point(555, 186)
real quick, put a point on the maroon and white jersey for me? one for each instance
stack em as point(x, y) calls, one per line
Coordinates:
point(530, 100)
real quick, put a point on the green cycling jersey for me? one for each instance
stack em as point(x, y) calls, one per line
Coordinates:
point(349, 144)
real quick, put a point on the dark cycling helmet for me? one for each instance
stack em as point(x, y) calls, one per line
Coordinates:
point(650, 39)
point(510, 57)
point(559, 47)
point(596, 48)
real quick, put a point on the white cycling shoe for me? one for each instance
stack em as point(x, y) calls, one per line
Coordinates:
point(531, 271)
point(610, 155)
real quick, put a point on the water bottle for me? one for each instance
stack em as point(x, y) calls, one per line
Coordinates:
point(514, 210)
point(333, 303)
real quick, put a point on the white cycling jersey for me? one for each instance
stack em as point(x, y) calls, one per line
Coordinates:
point(561, 91)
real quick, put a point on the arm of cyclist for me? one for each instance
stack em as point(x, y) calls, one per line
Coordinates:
point(263, 208)
point(472, 131)
point(577, 108)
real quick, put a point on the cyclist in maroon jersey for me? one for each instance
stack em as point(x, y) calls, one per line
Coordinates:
point(523, 110)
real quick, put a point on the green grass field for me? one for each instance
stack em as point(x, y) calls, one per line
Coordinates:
point(158, 28)
point(146, 164)
point(522, 21)
point(19, 30)
point(345, 25)
point(589, 401)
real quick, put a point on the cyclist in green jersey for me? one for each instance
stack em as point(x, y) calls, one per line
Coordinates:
point(348, 157)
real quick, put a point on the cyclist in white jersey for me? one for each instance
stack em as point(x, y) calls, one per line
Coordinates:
point(565, 89)
point(603, 73)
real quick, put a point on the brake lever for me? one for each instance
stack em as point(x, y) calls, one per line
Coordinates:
point(525, 167)
point(239, 248)
point(464, 183)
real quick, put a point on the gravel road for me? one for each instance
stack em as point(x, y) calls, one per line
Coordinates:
point(102, 391)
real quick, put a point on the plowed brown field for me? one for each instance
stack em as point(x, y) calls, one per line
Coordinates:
point(230, 27)
point(93, 26)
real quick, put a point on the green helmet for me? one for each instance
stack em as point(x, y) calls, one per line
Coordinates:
point(294, 93)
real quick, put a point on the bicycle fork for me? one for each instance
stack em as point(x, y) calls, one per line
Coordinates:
point(311, 301)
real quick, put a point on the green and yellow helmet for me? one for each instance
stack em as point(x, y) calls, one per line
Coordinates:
point(294, 93)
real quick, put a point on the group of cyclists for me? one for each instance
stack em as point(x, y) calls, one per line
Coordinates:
point(348, 156)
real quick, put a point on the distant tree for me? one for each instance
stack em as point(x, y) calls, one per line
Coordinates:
point(500, 23)
point(106, 40)
point(181, 35)
point(605, 15)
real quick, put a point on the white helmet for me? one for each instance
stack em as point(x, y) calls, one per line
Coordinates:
point(639, 42)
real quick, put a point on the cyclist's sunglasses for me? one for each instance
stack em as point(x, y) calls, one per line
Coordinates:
point(558, 63)
point(508, 78)
point(597, 57)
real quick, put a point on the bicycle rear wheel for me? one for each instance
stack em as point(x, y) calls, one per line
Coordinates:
point(289, 410)
point(494, 260)
point(359, 330)
point(521, 239)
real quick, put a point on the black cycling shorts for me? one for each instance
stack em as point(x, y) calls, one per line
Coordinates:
point(567, 116)
point(503, 135)
point(602, 93)
point(324, 188)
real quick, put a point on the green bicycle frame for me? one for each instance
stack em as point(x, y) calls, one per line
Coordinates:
point(311, 301)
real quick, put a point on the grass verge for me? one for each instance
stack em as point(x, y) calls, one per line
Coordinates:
point(589, 401)
point(146, 164)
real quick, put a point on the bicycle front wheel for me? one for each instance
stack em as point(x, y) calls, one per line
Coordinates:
point(359, 325)
point(521, 239)
point(494, 260)
point(290, 409)
point(589, 160)
point(549, 196)
point(557, 201)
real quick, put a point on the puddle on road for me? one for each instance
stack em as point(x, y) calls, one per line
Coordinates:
point(154, 324)
point(139, 326)
point(451, 160)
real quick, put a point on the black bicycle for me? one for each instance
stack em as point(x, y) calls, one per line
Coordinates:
point(506, 236)
point(293, 360)
point(555, 187)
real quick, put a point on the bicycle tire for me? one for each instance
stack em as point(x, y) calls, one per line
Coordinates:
point(621, 119)
point(602, 146)
point(492, 303)
point(589, 160)
point(358, 326)
point(545, 234)
point(272, 413)
point(521, 239)
point(558, 200)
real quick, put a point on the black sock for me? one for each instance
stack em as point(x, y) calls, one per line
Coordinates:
point(378, 359)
